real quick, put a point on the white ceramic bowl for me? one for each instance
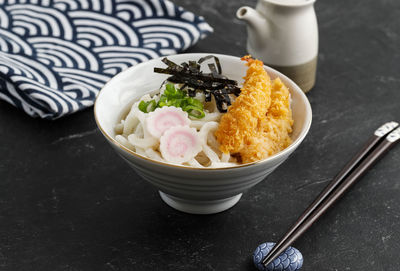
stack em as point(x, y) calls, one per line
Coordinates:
point(193, 190)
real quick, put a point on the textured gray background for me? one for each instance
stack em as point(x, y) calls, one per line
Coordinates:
point(67, 202)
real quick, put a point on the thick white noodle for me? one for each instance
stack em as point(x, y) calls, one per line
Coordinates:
point(211, 154)
point(139, 131)
point(130, 121)
point(143, 143)
point(203, 134)
point(139, 114)
point(142, 119)
point(213, 116)
point(123, 141)
point(133, 134)
point(155, 155)
point(212, 142)
point(141, 152)
point(119, 128)
point(130, 124)
point(194, 163)
point(197, 124)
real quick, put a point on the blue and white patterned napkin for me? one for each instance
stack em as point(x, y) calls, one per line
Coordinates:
point(55, 55)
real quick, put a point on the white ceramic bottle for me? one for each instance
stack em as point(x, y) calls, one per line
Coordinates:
point(284, 34)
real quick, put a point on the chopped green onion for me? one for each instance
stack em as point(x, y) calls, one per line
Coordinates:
point(147, 107)
point(195, 102)
point(169, 90)
point(143, 106)
point(194, 111)
point(176, 103)
point(177, 98)
point(152, 106)
point(161, 104)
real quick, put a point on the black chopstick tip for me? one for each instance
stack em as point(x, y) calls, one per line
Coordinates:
point(289, 260)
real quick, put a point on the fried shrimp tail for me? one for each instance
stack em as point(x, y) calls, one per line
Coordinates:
point(244, 116)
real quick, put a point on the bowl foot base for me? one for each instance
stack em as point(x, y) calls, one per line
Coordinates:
point(199, 206)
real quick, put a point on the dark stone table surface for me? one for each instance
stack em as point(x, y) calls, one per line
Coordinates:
point(68, 202)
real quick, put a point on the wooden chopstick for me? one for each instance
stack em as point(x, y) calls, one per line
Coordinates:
point(383, 139)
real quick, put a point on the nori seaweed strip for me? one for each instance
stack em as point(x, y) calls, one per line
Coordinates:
point(213, 70)
point(161, 70)
point(194, 67)
point(171, 64)
point(221, 103)
point(203, 76)
point(201, 85)
point(227, 99)
point(210, 86)
point(184, 65)
point(193, 79)
point(188, 81)
point(234, 90)
point(201, 60)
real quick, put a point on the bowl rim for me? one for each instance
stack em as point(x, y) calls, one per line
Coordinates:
point(288, 149)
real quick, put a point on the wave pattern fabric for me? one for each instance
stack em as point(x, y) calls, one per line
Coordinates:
point(55, 55)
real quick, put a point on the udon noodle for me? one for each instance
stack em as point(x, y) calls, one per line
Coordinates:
point(131, 133)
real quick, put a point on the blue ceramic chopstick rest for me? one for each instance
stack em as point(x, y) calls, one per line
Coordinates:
point(290, 260)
